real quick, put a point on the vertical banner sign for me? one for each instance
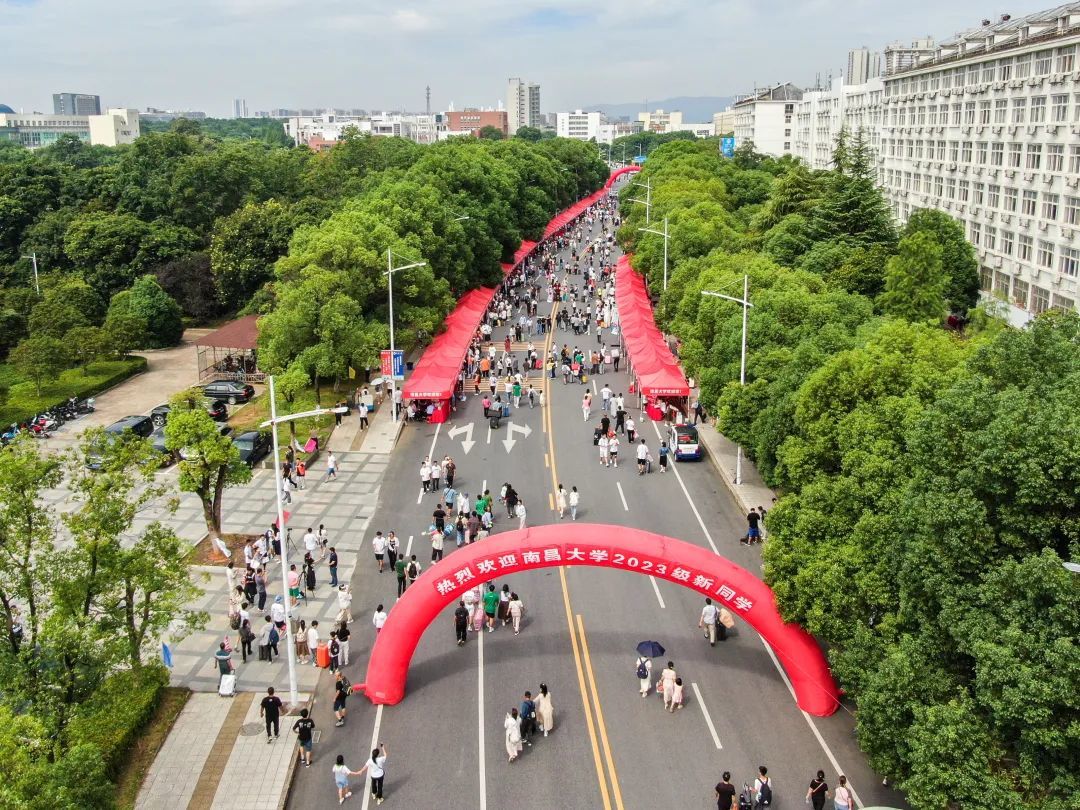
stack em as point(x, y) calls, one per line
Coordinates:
point(386, 363)
point(727, 147)
point(392, 364)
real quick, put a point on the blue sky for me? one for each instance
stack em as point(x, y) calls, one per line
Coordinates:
point(200, 54)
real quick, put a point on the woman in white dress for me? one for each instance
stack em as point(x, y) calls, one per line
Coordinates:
point(644, 684)
point(545, 710)
point(512, 727)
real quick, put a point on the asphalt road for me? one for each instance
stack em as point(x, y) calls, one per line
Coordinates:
point(610, 748)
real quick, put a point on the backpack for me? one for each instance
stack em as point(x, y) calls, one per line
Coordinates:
point(346, 685)
point(275, 637)
point(413, 572)
point(642, 670)
point(765, 794)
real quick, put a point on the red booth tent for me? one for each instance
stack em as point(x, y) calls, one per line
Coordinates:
point(657, 371)
point(564, 218)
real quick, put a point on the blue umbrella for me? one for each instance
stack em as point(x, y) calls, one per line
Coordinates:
point(651, 649)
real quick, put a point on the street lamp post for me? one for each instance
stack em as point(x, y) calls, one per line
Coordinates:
point(663, 233)
point(273, 422)
point(647, 202)
point(745, 302)
point(390, 270)
point(33, 258)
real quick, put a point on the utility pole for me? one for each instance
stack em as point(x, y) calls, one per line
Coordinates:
point(37, 284)
point(663, 233)
point(647, 202)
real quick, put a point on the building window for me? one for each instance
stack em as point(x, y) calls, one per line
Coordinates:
point(1010, 199)
point(1007, 238)
point(1061, 107)
point(938, 185)
point(984, 112)
point(1001, 110)
point(976, 234)
point(935, 81)
point(1040, 300)
point(954, 151)
point(1046, 253)
point(1055, 157)
point(1023, 66)
point(1050, 207)
point(969, 112)
point(973, 74)
point(993, 195)
point(1021, 289)
point(1031, 199)
point(986, 279)
point(990, 238)
point(1001, 284)
point(1019, 108)
point(946, 79)
point(933, 115)
point(1043, 60)
point(1071, 213)
point(1023, 253)
point(1070, 261)
point(1015, 153)
point(977, 193)
point(997, 153)
point(1004, 69)
point(988, 70)
point(1074, 159)
point(965, 153)
point(1034, 155)
point(1038, 110)
point(1063, 304)
point(965, 191)
point(940, 150)
point(950, 188)
point(980, 153)
point(1066, 59)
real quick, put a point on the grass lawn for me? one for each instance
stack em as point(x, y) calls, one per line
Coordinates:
point(23, 401)
point(257, 411)
point(146, 747)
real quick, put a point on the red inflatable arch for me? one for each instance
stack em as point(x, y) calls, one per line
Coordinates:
point(598, 545)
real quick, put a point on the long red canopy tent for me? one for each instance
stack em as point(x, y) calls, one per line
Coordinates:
point(657, 371)
point(436, 374)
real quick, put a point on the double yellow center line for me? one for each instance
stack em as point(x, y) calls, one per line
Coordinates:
point(582, 660)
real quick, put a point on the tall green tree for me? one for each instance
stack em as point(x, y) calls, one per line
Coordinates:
point(244, 247)
point(957, 256)
point(915, 280)
point(150, 304)
point(40, 358)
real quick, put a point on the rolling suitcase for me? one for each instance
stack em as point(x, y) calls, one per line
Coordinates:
point(227, 686)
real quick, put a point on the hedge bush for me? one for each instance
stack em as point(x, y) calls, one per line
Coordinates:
point(23, 402)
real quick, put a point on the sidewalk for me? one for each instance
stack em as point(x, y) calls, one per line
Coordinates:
point(216, 755)
point(722, 452)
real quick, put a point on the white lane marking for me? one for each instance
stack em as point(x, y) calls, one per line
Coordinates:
point(480, 737)
point(594, 392)
point(435, 438)
point(621, 496)
point(693, 506)
point(489, 432)
point(708, 719)
point(420, 496)
point(656, 590)
point(408, 547)
point(372, 747)
point(809, 720)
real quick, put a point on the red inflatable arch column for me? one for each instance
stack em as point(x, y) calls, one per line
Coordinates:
point(606, 546)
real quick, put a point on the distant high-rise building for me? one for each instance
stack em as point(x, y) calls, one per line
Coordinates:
point(523, 105)
point(76, 104)
point(239, 108)
point(862, 65)
point(900, 57)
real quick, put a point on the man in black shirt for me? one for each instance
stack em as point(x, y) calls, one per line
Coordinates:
point(725, 793)
point(304, 728)
point(270, 710)
point(439, 516)
point(461, 623)
point(753, 533)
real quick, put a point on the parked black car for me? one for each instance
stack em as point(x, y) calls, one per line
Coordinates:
point(215, 407)
point(229, 391)
point(139, 425)
point(253, 446)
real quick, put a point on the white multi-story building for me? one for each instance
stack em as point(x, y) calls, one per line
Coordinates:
point(988, 130)
point(723, 122)
point(523, 105)
point(862, 65)
point(581, 126)
point(901, 57)
point(767, 118)
point(32, 130)
point(821, 115)
point(619, 129)
point(330, 127)
point(660, 121)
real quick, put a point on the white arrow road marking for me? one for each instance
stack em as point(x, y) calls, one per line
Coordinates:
point(509, 441)
point(466, 443)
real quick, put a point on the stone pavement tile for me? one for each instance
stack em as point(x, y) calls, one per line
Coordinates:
point(175, 773)
point(722, 452)
point(207, 785)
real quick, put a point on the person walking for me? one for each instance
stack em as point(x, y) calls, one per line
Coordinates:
point(528, 718)
point(413, 569)
point(331, 466)
point(644, 674)
point(753, 533)
point(305, 731)
point(586, 405)
point(663, 452)
point(378, 546)
point(247, 637)
point(436, 474)
point(491, 607)
point(270, 711)
point(425, 475)
point(725, 793)
point(519, 511)
point(344, 598)
point(342, 687)
point(642, 457)
point(560, 501)
point(762, 789)
point(332, 565)
point(343, 634)
point(399, 569)
point(341, 778)
point(818, 790)
point(666, 685)
point(378, 618)
point(573, 499)
point(313, 641)
point(392, 550)
point(631, 429)
point(517, 610)
point(602, 444)
point(545, 710)
point(376, 769)
point(223, 657)
point(303, 654)
point(260, 588)
point(709, 619)
point(334, 648)
point(461, 623)
point(843, 798)
point(676, 696)
point(438, 540)
point(264, 640)
point(613, 449)
point(512, 729)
